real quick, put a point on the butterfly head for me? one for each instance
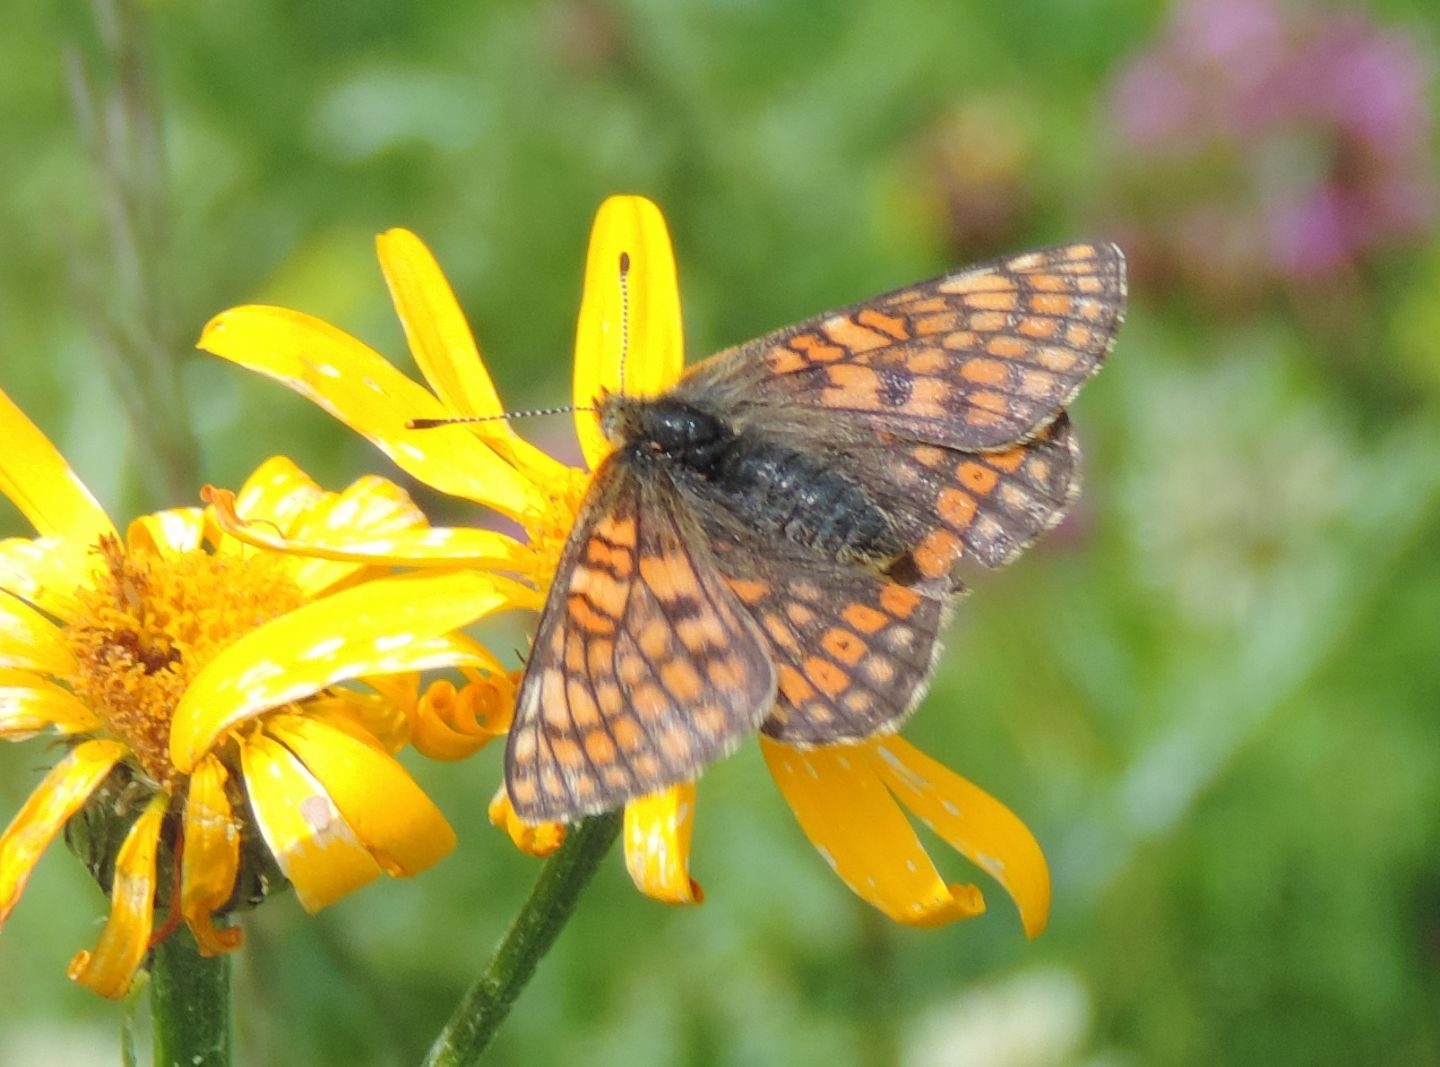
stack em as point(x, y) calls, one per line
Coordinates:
point(663, 427)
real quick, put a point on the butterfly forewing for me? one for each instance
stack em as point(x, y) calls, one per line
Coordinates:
point(976, 360)
point(644, 667)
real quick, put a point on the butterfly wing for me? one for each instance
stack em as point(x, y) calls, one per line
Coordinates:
point(853, 651)
point(644, 668)
point(977, 360)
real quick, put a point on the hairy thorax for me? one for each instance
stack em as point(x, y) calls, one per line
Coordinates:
point(768, 487)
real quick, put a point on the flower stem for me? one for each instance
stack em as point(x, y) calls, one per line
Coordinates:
point(189, 1004)
point(530, 936)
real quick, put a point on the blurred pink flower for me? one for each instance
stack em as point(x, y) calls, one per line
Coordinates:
point(1295, 143)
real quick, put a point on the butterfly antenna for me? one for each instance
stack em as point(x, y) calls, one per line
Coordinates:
point(624, 315)
point(466, 420)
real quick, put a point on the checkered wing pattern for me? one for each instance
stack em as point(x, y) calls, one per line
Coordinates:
point(977, 360)
point(986, 506)
point(645, 668)
point(853, 651)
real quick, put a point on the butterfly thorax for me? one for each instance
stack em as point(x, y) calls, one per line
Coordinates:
point(741, 475)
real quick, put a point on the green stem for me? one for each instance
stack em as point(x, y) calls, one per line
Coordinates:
point(530, 936)
point(189, 1004)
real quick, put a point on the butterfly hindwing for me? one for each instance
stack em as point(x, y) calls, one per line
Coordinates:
point(644, 667)
point(853, 651)
point(977, 360)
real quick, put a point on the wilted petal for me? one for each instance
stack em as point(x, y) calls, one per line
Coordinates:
point(845, 810)
point(389, 813)
point(657, 845)
point(211, 858)
point(452, 724)
point(982, 829)
point(639, 318)
point(379, 627)
point(357, 386)
point(126, 937)
point(309, 838)
point(60, 795)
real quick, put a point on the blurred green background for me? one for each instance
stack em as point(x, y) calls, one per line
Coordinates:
point(1214, 693)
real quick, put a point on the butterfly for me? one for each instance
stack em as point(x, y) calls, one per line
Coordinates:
point(772, 543)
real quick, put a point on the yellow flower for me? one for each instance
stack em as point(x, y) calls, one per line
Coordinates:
point(210, 750)
point(845, 797)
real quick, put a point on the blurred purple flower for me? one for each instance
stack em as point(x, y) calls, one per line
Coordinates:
point(1299, 142)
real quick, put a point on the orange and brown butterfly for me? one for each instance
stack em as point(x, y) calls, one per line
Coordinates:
point(772, 543)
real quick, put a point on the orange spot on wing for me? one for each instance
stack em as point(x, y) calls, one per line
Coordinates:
point(1050, 304)
point(997, 301)
point(828, 678)
point(936, 553)
point(957, 508)
point(843, 645)
point(793, 686)
point(984, 371)
point(1006, 346)
point(681, 679)
point(899, 601)
point(750, 590)
point(977, 476)
point(851, 335)
point(815, 348)
point(864, 618)
point(1008, 461)
point(1035, 326)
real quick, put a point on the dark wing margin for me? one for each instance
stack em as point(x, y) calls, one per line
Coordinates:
point(977, 360)
point(644, 668)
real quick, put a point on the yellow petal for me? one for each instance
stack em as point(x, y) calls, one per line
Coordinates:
point(640, 318)
point(445, 350)
point(126, 937)
point(379, 627)
point(451, 724)
point(36, 479)
point(657, 845)
point(538, 840)
point(369, 717)
point(46, 572)
point(982, 829)
point(277, 493)
point(431, 546)
point(846, 812)
point(30, 641)
point(314, 846)
point(167, 533)
point(360, 388)
point(60, 795)
point(30, 703)
point(390, 814)
point(211, 858)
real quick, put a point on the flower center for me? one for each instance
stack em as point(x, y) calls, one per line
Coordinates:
point(549, 529)
point(150, 623)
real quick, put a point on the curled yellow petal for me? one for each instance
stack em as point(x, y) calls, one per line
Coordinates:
point(126, 937)
point(538, 840)
point(423, 547)
point(973, 822)
point(36, 479)
point(357, 386)
point(631, 306)
point(60, 795)
point(30, 703)
point(657, 845)
point(311, 841)
point(211, 858)
point(380, 802)
point(445, 349)
point(846, 812)
point(453, 724)
point(379, 627)
point(30, 641)
point(167, 533)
